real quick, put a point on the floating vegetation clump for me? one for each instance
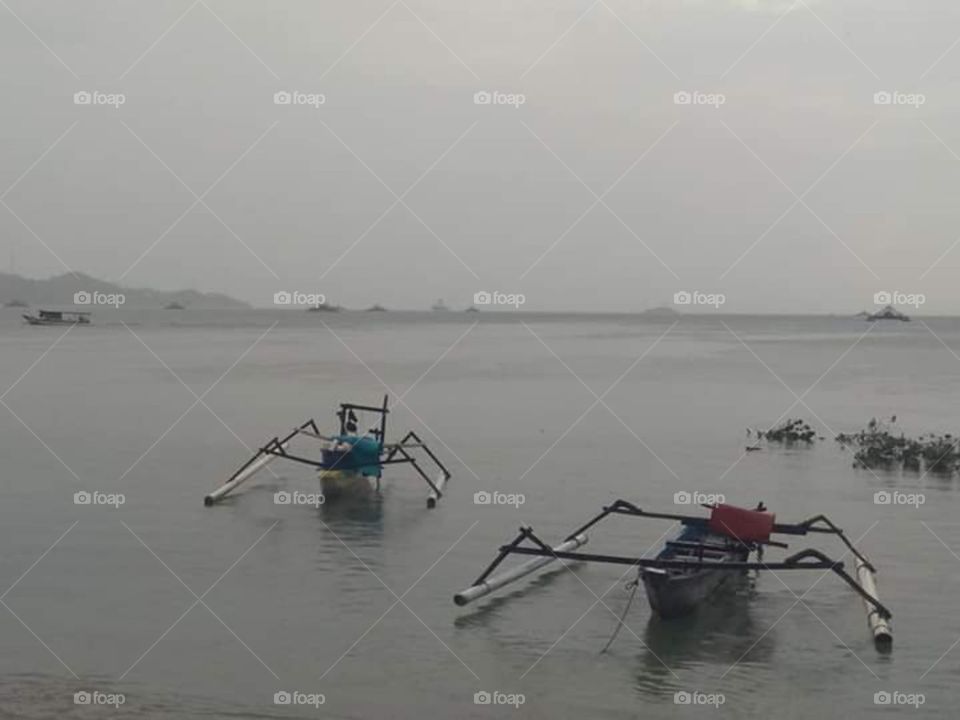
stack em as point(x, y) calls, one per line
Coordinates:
point(789, 432)
point(879, 446)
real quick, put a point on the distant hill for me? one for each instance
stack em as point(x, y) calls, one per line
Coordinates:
point(60, 290)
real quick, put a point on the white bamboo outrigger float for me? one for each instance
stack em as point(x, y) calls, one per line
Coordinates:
point(879, 625)
point(695, 563)
point(345, 458)
point(487, 586)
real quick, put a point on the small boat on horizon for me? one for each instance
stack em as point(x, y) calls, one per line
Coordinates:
point(58, 317)
point(439, 306)
point(16, 304)
point(174, 306)
point(376, 308)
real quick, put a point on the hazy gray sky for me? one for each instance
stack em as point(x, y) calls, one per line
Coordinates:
point(799, 193)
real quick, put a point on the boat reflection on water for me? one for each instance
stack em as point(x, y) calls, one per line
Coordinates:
point(720, 634)
point(352, 506)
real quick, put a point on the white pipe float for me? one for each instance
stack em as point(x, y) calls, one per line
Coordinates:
point(498, 581)
point(880, 626)
point(435, 494)
point(242, 476)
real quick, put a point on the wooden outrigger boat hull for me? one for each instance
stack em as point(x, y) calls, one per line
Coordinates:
point(701, 559)
point(676, 592)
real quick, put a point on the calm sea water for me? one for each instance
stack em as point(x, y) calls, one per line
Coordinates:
point(207, 612)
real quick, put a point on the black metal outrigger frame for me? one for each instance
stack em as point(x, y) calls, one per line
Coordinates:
point(809, 559)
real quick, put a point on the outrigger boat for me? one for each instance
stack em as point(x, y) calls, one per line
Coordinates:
point(702, 557)
point(56, 317)
point(348, 460)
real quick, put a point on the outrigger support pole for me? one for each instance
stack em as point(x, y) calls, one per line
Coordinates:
point(812, 526)
point(263, 457)
point(403, 447)
point(484, 585)
point(817, 524)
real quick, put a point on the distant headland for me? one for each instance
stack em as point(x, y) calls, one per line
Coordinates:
point(16, 290)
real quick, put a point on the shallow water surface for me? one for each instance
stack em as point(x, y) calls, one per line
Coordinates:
point(208, 612)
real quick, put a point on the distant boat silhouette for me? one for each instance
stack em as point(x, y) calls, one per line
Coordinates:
point(376, 308)
point(56, 317)
point(16, 304)
point(889, 313)
point(174, 306)
point(472, 309)
point(439, 306)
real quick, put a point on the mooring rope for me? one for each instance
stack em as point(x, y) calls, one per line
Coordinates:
point(620, 623)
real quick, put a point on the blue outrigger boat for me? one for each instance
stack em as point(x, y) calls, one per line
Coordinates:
point(348, 459)
point(702, 557)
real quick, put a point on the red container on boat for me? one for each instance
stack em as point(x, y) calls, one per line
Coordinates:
point(741, 524)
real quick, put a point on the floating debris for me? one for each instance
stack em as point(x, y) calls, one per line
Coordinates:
point(879, 447)
point(788, 432)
